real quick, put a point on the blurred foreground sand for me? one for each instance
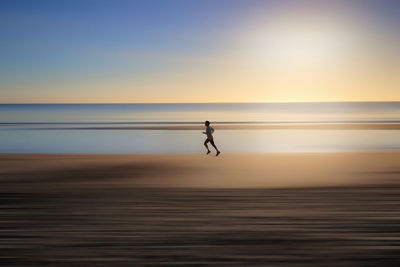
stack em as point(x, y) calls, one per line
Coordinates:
point(314, 209)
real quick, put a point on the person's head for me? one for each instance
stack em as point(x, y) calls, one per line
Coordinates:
point(207, 123)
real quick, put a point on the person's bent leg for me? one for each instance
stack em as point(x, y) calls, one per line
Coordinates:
point(212, 143)
point(205, 144)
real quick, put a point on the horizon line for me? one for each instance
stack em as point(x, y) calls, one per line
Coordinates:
point(127, 103)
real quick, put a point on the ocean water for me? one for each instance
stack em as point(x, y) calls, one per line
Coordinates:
point(176, 128)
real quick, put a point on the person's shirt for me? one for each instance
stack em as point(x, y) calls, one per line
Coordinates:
point(209, 131)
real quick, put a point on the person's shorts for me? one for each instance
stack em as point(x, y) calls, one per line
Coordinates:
point(211, 140)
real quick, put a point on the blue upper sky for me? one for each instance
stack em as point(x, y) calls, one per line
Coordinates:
point(43, 33)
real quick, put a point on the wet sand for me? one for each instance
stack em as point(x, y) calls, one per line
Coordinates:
point(314, 209)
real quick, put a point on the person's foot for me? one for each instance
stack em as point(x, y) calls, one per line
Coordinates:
point(218, 152)
point(208, 152)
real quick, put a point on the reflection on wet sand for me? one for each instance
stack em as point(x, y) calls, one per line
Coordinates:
point(99, 210)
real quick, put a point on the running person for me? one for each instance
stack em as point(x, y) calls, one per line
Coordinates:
point(209, 131)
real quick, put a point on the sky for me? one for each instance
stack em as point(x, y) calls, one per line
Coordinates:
point(116, 51)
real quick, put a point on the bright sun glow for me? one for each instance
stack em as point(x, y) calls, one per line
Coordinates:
point(298, 43)
point(298, 46)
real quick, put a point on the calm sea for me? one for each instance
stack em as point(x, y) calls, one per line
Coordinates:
point(117, 128)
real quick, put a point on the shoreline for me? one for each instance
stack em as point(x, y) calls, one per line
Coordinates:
point(272, 126)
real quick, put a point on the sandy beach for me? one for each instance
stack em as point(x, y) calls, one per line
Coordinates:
point(314, 209)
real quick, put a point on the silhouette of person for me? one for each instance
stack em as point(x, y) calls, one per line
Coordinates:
point(209, 131)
